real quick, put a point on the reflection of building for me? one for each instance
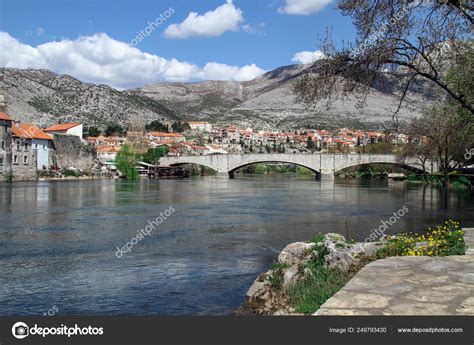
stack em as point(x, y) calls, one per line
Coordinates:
point(66, 128)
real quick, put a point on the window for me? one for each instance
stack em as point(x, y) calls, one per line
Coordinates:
point(18, 145)
point(27, 147)
point(15, 159)
point(1, 160)
point(25, 159)
point(2, 144)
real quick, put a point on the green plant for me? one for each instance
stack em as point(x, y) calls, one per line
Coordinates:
point(319, 285)
point(276, 278)
point(126, 162)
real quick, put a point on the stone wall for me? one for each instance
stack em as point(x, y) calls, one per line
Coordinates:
point(6, 139)
point(69, 152)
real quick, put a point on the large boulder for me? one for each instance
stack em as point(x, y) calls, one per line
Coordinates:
point(296, 253)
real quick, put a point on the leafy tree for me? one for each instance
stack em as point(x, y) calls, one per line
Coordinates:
point(127, 161)
point(152, 156)
point(94, 132)
point(114, 129)
point(157, 126)
point(180, 127)
point(398, 41)
point(448, 132)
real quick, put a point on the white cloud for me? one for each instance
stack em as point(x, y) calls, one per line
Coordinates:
point(219, 71)
point(303, 7)
point(101, 59)
point(214, 23)
point(305, 57)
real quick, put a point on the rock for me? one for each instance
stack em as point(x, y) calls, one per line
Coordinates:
point(342, 254)
point(260, 289)
point(295, 253)
point(290, 276)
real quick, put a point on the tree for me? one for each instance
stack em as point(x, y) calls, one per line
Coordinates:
point(180, 127)
point(156, 126)
point(114, 129)
point(126, 162)
point(152, 156)
point(449, 131)
point(94, 132)
point(421, 151)
point(401, 41)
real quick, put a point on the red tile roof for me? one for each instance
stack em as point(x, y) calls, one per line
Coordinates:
point(4, 116)
point(30, 131)
point(164, 134)
point(62, 127)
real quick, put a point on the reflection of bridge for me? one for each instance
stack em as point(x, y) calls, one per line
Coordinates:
point(324, 165)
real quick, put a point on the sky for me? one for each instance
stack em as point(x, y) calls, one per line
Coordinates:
point(130, 43)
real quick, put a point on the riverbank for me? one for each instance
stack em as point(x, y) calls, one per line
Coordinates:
point(308, 274)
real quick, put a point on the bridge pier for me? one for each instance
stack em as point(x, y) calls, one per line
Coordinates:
point(325, 176)
point(225, 174)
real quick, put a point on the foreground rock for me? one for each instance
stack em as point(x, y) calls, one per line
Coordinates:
point(267, 293)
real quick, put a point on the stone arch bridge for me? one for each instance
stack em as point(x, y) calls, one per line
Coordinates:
point(324, 165)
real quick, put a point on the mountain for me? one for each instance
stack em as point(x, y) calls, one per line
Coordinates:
point(34, 95)
point(269, 101)
point(265, 102)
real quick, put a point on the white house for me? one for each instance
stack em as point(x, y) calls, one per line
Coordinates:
point(66, 128)
point(200, 126)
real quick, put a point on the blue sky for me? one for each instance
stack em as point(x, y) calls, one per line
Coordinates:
point(224, 39)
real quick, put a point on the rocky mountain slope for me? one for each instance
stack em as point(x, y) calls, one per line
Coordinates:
point(46, 97)
point(267, 101)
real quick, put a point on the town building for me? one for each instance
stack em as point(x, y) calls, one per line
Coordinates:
point(74, 128)
point(41, 142)
point(200, 126)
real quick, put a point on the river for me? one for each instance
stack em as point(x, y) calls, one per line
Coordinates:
point(58, 240)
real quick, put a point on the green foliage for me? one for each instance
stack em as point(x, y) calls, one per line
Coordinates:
point(94, 132)
point(276, 278)
point(180, 127)
point(462, 182)
point(152, 156)
point(126, 162)
point(442, 240)
point(309, 294)
point(156, 126)
point(114, 129)
point(317, 238)
point(381, 147)
point(364, 172)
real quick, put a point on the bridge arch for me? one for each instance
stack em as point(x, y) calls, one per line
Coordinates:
point(232, 171)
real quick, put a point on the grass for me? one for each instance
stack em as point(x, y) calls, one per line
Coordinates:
point(276, 279)
point(322, 283)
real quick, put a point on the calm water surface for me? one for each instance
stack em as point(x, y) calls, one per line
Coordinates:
point(58, 239)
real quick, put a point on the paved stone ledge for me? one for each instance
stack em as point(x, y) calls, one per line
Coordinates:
point(409, 285)
point(469, 239)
